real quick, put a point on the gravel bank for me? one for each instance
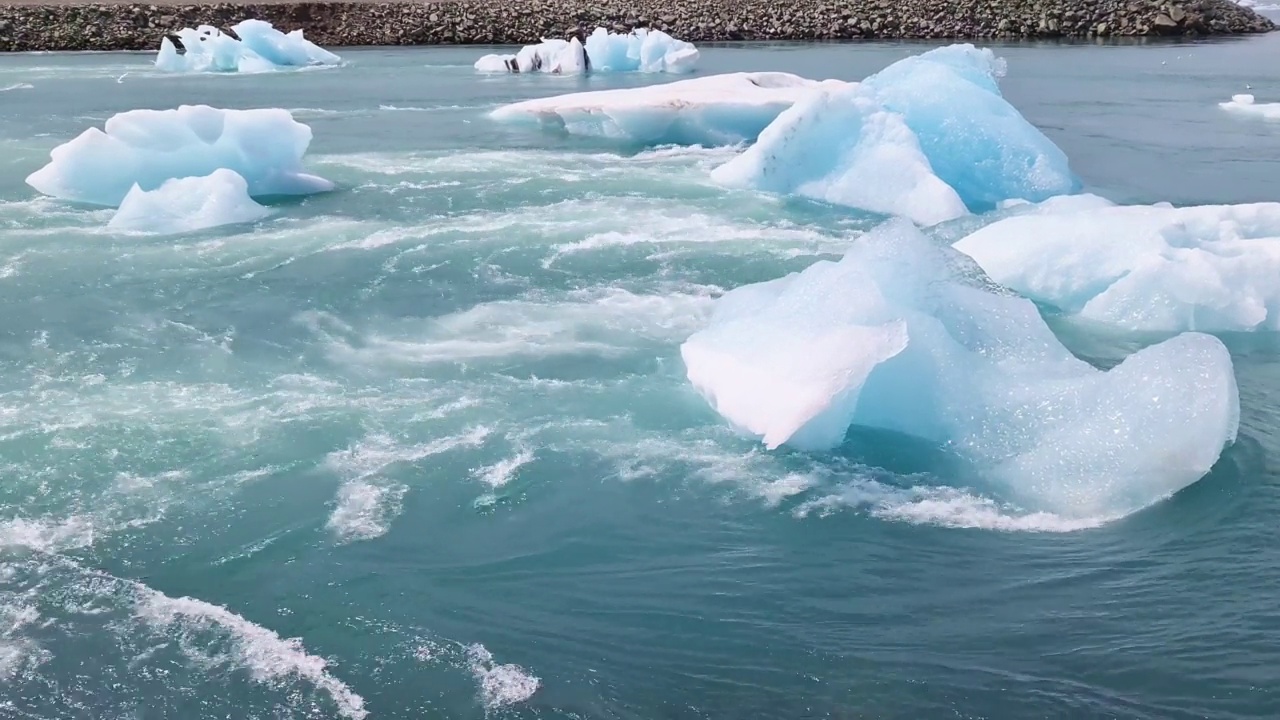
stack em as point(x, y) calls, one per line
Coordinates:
point(51, 25)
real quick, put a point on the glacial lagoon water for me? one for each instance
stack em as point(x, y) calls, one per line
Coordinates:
point(423, 447)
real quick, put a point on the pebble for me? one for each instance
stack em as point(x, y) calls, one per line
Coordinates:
point(520, 22)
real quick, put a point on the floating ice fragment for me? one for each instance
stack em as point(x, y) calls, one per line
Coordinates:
point(642, 50)
point(928, 138)
point(284, 50)
point(1159, 268)
point(714, 110)
point(188, 204)
point(1245, 105)
point(260, 48)
point(148, 147)
point(907, 336)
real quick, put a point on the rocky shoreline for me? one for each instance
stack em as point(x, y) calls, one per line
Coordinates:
point(131, 26)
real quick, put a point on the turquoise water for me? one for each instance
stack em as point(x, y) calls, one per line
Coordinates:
point(423, 447)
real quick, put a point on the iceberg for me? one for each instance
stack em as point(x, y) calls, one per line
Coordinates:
point(1143, 268)
point(928, 138)
point(642, 50)
point(256, 47)
point(1245, 105)
point(188, 204)
point(714, 110)
point(909, 336)
point(148, 147)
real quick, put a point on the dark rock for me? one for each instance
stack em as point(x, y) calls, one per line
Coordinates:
point(518, 22)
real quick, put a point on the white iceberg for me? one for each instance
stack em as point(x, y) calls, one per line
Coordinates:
point(148, 147)
point(188, 204)
point(928, 138)
point(1246, 105)
point(1157, 268)
point(909, 336)
point(642, 50)
point(714, 110)
point(256, 47)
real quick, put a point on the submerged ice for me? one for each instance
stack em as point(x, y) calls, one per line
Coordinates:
point(642, 50)
point(715, 110)
point(1146, 267)
point(928, 138)
point(907, 336)
point(188, 204)
point(256, 46)
point(145, 148)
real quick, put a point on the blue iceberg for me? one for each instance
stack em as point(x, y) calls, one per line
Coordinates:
point(148, 147)
point(713, 110)
point(642, 50)
point(908, 336)
point(929, 138)
point(1142, 267)
point(188, 204)
point(255, 47)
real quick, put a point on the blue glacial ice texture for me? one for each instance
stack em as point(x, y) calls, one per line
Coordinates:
point(1141, 267)
point(188, 204)
point(260, 48)
point(148, 147)
point(929, 138)
point(907, 336)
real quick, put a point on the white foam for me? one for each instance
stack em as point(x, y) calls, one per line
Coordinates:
point(600, 321)
point(940, 506)
point(270, 659)
point(367, 504)
point(504, 471)
point(364, 510)
point(48, 535)
point(500, 686)
point(17, 86)
point(1245, 104)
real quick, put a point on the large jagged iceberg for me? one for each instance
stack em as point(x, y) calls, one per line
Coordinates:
point(1247, 105)
point(908, 336)
point(148, 147)
point(255, 47)
point(714, 110)
point(928, 138)
point(1146, 267)
point(188, 204)
point(642, 50)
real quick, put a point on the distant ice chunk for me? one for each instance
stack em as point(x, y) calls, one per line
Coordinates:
point(927, 138)
point(713, 110)
point(260, 48)
point(188, 204)
point(1245, 105)
point(1158, 268)
point(905, 335)
point(148, 147)
point(643, 50)
point(281, 49)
